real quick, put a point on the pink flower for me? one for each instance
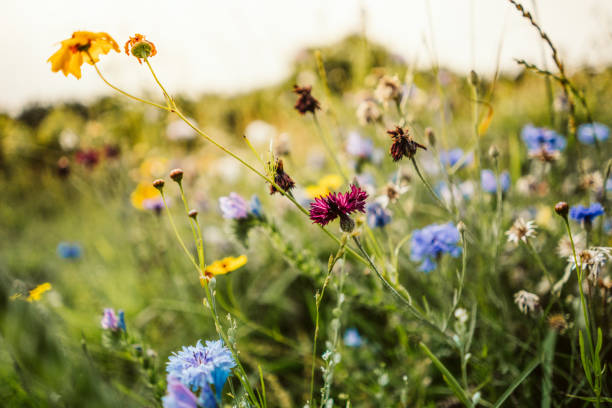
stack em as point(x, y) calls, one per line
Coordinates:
point(326, 209)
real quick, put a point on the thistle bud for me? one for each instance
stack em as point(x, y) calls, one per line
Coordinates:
point(159, 184)
point(493, 152)
point(193, 214)
point(562, 209)
point(347, 224)
point(177, 175)
point(430, 135)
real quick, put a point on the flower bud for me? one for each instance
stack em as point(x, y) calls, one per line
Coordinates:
point(159, 184)
point(430, 135)
point(493, 152)
point(347, 224)
point(177, 175)
point(562, 209)
point(142, 49)
point(461, 227)
point(193, 214)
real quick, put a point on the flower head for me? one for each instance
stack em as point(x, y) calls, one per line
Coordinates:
point(70, 56)
point(521, 230)
point(147, 197)
point(200, 366)
point(377, 215)
point(67, 250)
point(139, 47)
point(306, 102)
point(88, 158)
point(454, 156)
point(255, 206)
point(403, 144)
point(527, 302)
point(110, 321)
point(431, 242)
point(225, 265)
point(352, 338)
point(593, 260)
point(538, 139)
point(179, 396)
point(489, 181)
point(233, 206)
point(589, 132)
point(326, 209)
point(368, 112)
point(36, 293)
point(586, 214)
point(326, 185)
point(388, 89)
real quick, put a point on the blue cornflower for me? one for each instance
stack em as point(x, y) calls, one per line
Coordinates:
point(586, 214)
point(431, 242)
point(68, 250)
point(452, 157)
point(233, 206)
point(255, 206)
point(110, 321)
point(179, 396)
point(489, 181)
point(377, 215)
point(199, 367)
point(122, 320)
point(588, 132)
point(609, 184)
point(352, 338)
point(537, 139)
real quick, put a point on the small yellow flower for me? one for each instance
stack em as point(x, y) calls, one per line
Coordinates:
point(83, 46)
point(36, 293)
point(223, 266)
point(326, 185)
point(144, 196)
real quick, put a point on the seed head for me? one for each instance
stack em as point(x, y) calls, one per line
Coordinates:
point(159, 184)
point(282, 179)
point(177, 175)
point(306, 102)
point(562, 209)
point(403, 144)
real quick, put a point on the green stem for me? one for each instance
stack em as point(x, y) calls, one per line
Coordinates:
point(429, 188)
point(178, 236)
point(328, 147)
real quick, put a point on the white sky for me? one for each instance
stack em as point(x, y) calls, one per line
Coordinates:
point(232, 46)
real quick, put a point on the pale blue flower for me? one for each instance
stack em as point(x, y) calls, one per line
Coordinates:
point(429, 243)
point(255, 206)
point(489, 181)
point(588, 132)
point(452, 157)
point(68, 250)
point(352, 338)
point(542, 138)
point(233, 206)
point(377, 215)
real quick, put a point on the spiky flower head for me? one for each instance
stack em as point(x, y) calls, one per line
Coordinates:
point(427, 245)
point(327, 208)
point(306, 102)
point(403, 144)
point(586, 214)
point(521, 230)
point(527, 302)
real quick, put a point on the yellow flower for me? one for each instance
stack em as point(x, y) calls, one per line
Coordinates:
point(82, 44)
point(38, 291)
point(144, 196)
point(326, 185)
point(223, 266)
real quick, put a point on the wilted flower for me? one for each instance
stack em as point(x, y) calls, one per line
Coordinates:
point(233, 206)
point(388, 89)
point(306, 102)
point(521, 230)
point(282, 179)
point(377, 215)
point(139, 47)
point(68, 250)
point(225, 265)
point(589, 132)
point(586, 214)
point(489, 181)
point(88, 158)
point(198, 367)
point(530, 184)
point(593, 260)
point(368, 112)
point(327, 208)
point(452, 157)
point(70, 56)
point(564, 248)
point(36, 293)
point(352, 338)
point(527, 302)
point(592, 181)
point(403, 144)
point(428, 244)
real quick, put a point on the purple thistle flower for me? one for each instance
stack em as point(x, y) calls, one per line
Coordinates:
point(489, 181)
point(233, 206)
point(431, 242)
point(588, 132)
point(586, 214)
point(110, 321)
point(199, 367)
point(326, 209)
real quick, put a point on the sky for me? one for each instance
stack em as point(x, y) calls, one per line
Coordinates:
point(234, 46)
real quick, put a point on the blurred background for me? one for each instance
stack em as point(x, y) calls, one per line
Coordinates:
point(206, 47)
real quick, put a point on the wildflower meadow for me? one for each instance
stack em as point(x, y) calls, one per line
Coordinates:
point(362, 233)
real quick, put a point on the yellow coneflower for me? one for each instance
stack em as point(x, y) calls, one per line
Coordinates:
point(70, 56)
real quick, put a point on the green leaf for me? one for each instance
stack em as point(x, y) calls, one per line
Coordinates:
point(517, 382)
point(590, 399)
point(548, 353)
point(448, 377)
point(585, 362)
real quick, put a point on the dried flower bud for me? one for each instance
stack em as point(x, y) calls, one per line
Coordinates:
point(562, 209)
point(403, 144)
point(281, 179)
point(159, 184)
point(140, 47)
point(461, 227)
point(493, 152)
point(306, 102)
point(557, 322)
point(177, 175)
point(193, 214)
point(431, 136)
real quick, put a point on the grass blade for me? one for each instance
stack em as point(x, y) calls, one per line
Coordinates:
point(448, 377)
point(517, 382)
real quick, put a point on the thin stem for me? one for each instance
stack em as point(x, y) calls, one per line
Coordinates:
point(193, 225)
point(429, 188)
point(170, 101)
point(178, 236)
point(329, 149)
